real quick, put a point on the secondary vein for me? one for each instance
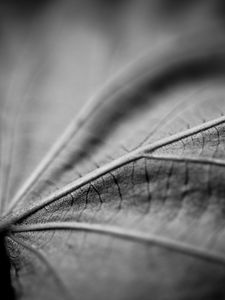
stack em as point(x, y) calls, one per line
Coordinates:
point(142, 152)
point(124, 233)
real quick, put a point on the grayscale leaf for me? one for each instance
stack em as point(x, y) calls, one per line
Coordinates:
point(112, 162)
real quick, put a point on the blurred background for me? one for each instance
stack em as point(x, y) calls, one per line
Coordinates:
point(89, 40)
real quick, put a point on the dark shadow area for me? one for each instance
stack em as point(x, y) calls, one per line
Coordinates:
point(23, 8)
point(5, 279)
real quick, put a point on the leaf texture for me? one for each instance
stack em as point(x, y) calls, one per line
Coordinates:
point(127, 201)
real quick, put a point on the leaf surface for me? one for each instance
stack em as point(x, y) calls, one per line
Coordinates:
point(127, 201)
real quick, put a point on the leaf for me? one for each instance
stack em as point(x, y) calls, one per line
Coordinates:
point(128, 202)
